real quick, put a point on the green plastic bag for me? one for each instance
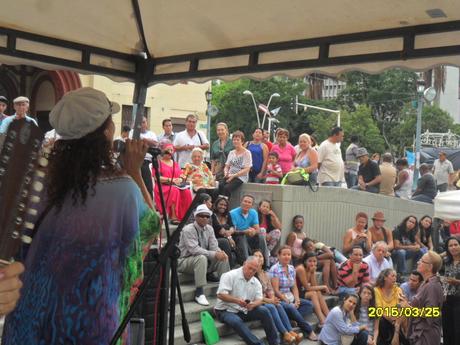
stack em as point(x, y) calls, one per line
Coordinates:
point(210, 334)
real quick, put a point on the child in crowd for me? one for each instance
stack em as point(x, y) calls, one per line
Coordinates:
point(273, 172)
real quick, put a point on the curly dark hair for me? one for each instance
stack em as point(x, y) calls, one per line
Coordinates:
point(75, 165)
point(380, 282)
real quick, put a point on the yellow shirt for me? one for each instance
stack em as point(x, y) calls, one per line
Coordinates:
point(382, 301)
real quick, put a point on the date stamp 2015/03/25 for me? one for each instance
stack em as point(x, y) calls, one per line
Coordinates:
point(425, 312)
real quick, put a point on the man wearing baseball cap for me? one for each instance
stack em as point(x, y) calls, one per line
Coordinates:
point(200, 254)
point(21, 106)
point(369, 176)
point(3, 106)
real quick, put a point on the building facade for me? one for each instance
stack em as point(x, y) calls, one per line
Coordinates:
point(45, 89)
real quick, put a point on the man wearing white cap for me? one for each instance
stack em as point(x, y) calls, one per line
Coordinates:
point(200, 254)
point(21, 106)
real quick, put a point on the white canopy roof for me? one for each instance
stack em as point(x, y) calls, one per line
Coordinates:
point(202, 39)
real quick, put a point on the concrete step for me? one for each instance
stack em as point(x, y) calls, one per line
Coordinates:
point(188, 291)
point(225, 331)
point(259, 332)
point(193, 310)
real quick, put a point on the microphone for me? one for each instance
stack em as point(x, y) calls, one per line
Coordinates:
point(119, 146)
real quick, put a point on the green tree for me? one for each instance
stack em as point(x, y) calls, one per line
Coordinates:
point(434, 119)
point(386, 94)
point(237, 109)
point(359, 122)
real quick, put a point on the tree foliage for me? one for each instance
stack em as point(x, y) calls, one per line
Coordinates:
point(237, 109)
point(434, 119)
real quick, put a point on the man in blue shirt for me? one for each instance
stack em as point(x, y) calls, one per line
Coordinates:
point(21, 106)
point(410, 287)
point(247, 234)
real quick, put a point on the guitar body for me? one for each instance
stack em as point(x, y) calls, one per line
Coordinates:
point(18, 161)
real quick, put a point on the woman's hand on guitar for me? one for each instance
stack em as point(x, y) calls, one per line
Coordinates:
point(10, 284)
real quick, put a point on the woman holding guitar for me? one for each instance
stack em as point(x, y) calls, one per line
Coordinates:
point(98, 224)
point(9, 286)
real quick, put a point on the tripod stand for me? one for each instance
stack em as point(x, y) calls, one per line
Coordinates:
point(167, 261)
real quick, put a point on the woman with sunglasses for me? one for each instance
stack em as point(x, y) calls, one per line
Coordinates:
point(177, 200)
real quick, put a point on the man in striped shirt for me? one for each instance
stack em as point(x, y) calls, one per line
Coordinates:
point(353, 273)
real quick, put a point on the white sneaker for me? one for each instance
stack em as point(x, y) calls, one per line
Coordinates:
point(201, 299)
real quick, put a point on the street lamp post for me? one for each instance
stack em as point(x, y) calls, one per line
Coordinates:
point(276, 94)
point(429, 95)
point(418, 131)
point(247, 92)
point(208, 95)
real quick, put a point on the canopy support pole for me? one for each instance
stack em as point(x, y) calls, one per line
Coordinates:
point(143, 71)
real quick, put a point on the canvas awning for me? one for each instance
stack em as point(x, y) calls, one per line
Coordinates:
point(171, 40)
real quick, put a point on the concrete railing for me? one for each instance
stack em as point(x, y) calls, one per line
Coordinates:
point(329, 212)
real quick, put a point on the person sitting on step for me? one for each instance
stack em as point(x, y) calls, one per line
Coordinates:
point(240, 299)
point(200, 254)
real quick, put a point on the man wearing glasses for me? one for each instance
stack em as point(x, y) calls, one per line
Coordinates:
point(200, 253)
point(426, 329)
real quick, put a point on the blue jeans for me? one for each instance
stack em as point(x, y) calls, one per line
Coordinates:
point(280, 317)
point(360, 338)
point(332, 184)
point(351, 179)
point(236, 321)
point(344, 290)
point(297, 314)
point(370, 189)
point(400, 257)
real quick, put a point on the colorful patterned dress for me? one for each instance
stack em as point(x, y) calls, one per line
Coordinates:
point(82, 266)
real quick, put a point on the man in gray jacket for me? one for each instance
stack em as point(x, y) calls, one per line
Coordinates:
point(200, 254)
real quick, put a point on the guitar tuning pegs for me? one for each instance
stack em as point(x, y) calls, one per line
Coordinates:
point(35, 199)
point(26, 239)
point(38, 186)
point(18, 221)
point(21, 207)
point(43, 162)
point(40, 173)
point(29, 225)
point(15, 234)
point(32, 211)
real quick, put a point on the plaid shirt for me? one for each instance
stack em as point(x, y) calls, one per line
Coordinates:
point(286, 282)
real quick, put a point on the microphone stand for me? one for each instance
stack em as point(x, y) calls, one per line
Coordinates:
point(167, 257)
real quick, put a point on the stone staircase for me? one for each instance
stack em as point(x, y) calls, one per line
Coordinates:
point(227, 335)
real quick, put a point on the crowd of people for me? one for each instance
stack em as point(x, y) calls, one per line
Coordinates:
point(100, 219)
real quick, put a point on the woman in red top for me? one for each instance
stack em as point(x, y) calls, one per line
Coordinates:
point(177, 200)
